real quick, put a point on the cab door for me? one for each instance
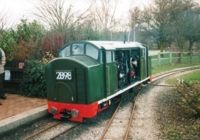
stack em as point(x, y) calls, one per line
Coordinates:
point(110, 72)
point(143, 63)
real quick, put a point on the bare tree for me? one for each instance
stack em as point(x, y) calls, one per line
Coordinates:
point(104, 14)
point(181, 12)
point(59, 14)
point(192, 30)
point(168, 22)
point(64, 22)
point(135, 17)
point(3, 19)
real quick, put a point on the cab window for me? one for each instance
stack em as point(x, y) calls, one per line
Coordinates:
point(144, 52)
point(108, 56)
point(92, 51)
point(65, 52)
point(113, 56)
point(77, 49)
point(81, 49)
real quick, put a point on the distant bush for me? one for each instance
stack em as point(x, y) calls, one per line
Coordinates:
point(47, 57)
point(190, 95)
point(34, 83)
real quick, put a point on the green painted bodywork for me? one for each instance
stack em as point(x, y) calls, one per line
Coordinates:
point(143, 64)
point(95, 84)
point(92, 80)
point(111, 78)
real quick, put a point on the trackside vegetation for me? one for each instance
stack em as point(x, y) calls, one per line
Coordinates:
point(33, 83)
point(179, 110)
point(188, 87)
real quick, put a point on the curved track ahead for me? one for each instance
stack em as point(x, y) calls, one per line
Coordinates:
point(118, 121)
point(109, 133)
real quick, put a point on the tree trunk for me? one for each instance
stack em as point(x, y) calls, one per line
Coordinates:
point(190, 45)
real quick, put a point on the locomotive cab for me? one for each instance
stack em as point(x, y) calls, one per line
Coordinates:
point(131, 65)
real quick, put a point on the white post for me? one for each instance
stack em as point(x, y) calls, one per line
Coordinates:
point(159, 59)
point(170, 58)
point(129, 33)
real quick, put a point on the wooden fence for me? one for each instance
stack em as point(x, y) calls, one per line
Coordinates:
point(169, 58)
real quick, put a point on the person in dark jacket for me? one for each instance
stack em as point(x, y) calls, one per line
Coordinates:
point(2, 64)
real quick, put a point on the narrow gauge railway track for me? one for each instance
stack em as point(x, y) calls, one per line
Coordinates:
point(52, 131)
point(46, 128)
point(120, 121)
point(130, 118)
point(113, 123)
point(110, 121)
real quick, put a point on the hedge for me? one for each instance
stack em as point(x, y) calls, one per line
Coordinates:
point(34, 83)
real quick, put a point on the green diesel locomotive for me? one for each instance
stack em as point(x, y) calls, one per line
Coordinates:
point(85, 77)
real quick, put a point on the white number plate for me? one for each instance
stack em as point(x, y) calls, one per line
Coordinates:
point(63, 75)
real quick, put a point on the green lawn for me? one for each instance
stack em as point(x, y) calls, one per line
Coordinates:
point(194, 76)
point(164, 68)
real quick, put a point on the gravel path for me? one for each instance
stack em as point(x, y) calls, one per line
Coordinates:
point(144, 126)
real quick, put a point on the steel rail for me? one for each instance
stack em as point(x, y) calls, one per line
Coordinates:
point(113, 116)
point(130, 118)
point(110, 121)
point(64, 132)
point(34, 135)
point(41, 131)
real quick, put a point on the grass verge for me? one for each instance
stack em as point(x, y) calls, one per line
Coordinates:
point(175, 121)
point(164, 68)
point(190, 77)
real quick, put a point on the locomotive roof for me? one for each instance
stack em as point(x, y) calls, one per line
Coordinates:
point(112, 45)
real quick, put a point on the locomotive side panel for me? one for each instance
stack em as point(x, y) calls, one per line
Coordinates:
point(143, 64)
point(111, 79)
point(95, 84)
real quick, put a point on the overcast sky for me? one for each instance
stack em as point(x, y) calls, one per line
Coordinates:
point(17, 9)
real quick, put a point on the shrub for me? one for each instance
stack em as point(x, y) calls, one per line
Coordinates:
point(190, 95)
point(47, 57)
point(34, 83)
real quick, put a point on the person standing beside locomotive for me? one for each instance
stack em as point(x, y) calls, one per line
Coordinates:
point(2, 64)
point(134, 65)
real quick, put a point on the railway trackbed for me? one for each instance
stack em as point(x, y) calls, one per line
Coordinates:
point(120, 123)
point(52, 130)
